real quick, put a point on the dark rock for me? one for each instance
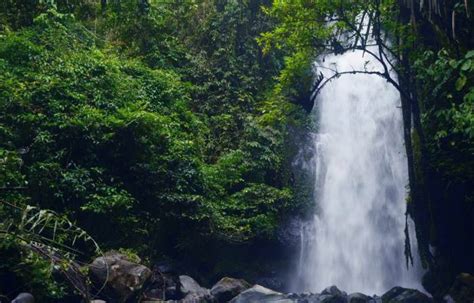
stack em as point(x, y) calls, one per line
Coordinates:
point(123, 277)
point(305, 297)
point(193, 292)
point(260, 294)
point(448, 299)
point(376, 299)
point(24, 297)
point(165, 267)
point(333, 294)
point(333, 290)
point(327, 298)
point(293, 296)
point(405, 295)
point(358, 298)
point(227, 288)
point(271, 282)
point(463, 288)
point(189, 285)
point(164, 284)
point(197, 298)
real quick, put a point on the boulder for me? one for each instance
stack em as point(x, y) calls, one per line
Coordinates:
point(463, 288)
point(333, 290)
point(358, 298)
point(260, 294)
point(332, 294)
point(448, 299)
point(189, 285)
point(405, 295)
point(227, 288)
point(193, 292)
point(24, 297)
point(163, 285)
point(271, 282)
point(305, 297)
point(332, 299)
point(123, 278)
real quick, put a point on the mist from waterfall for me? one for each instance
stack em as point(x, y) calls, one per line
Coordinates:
point(356, 240)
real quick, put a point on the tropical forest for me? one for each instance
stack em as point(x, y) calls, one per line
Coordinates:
point(290, 151)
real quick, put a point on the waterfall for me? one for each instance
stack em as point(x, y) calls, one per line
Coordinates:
point(360, 166)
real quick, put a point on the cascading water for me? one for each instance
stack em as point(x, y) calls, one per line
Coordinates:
point(356, 240)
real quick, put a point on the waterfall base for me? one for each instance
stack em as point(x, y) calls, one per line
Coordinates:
point(331, 294)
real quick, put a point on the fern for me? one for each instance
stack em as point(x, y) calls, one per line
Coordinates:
point(54, 238)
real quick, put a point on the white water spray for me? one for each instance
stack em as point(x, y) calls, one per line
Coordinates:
point(356, 240)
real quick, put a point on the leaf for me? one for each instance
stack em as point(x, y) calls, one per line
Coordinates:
point(469, 54)
point(466, 65)
point(453, 63)
point(460, 82)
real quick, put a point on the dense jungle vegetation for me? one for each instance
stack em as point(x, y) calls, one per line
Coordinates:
point(168, 129)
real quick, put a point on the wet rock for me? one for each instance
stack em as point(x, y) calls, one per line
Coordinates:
point(271, 282)
point(193, 292)
point(197, 298)
point(332, 299)
point(24, 297)
point(164, 284)
point(359, 298)
point(463, 288)
point(333, 290)
point(333, 294)
point(260, 294)
point(122, 277)
point(405, 295)
point(227, 288)
point(448, 299)
point(189, 285)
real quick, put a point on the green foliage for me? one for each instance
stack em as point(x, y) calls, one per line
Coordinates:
point(158, 126)
point(243, 204)
point(307, 29)
point(21, 266)
point(228, 68)
point(84, 117)
point(449, 114)
point(155, 126)
point(253, 211)
point(147, 130)
point(36, 244)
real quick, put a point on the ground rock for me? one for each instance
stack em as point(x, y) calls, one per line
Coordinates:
point(332, 299)
point(463, 288)
point(24, 297)
point(227, 288)
point(333, 290)
point(305, 297)
point(260, 294)
point(122, 276)
point(271, 282)
point(164, 284)
point(359, 298)
point(193, 292)
point(189, 285)
point(332, 294)
point(405, 295)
